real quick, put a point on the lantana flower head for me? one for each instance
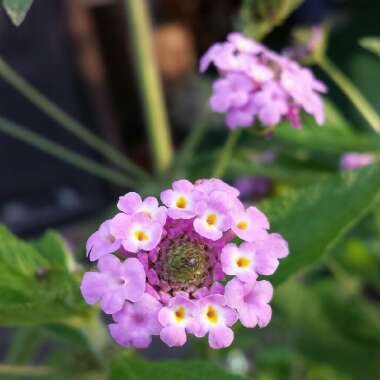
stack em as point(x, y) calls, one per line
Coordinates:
point(257, 83)
point(172, 270)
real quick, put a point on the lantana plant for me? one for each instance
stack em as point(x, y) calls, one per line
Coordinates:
point(258, 83)
point(189, 266)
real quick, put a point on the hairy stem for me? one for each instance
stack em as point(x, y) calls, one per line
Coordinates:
point(150, 85)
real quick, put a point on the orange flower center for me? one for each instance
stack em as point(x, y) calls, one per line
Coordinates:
point(242, 262)
point(181, 202)
point(242, 225)
point(211, 220)
point(180, 314)
point(212, 315)
point(141, 235)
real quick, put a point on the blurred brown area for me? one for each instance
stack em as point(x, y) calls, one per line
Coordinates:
point(183, 30)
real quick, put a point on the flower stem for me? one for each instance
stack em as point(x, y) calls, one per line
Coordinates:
point(150, 85)
point(66, 121)
point(21, 133)
point(191, 143)
point(352, 92)
point(226, 153)
point(16, 370)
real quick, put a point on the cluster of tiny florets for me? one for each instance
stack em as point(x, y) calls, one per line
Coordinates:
point(257, 83)
point(189, 266)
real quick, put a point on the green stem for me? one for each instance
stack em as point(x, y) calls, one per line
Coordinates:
point(190, 145)
point(66, 121)
point(352, 92)
point(56, 150)
point(150, 85)
point(226, 153)
point(15, 370)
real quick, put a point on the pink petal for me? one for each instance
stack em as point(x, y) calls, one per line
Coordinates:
point(220, 337)
point(173, 336)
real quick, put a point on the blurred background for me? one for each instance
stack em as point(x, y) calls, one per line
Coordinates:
point(78, 53)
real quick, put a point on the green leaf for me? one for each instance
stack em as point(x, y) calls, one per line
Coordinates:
point(53, 248)
point(372, 44)
point(17, 10)
point(314, 218)
point(35, 285)
point(316, 334)
point(133, 368)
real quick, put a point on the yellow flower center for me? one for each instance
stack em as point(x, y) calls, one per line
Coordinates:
point(140, 235)
point(242, 225)
point(180, 314)
point(181, 202)
point(242, 262)
point(212, 315)
point(211, 220)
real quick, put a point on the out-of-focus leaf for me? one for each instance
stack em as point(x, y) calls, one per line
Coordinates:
point(314, 218)
point(34, 287)
point(53, 248)
point(372, 44)
point(17, 10)
point(132, 368)
point(324, 372)
point(316, 335)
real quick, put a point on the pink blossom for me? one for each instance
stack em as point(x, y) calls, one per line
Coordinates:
point(181, 200)
point(212, 316)
point(137, 232)
point(251, 259)
point(115, 283)
point(231, 91)
point(354, 160)
point(244, 44)
point(136, 323)
point(250, 225)
point(240, 261)
point(175, 318)
point(207, 186)
point(102, 242)
point(256, 82)
point(251, 301)
point(213, 218)
point(131, 203)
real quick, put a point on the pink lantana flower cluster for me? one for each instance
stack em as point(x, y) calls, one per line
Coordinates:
point(257, 83)
point(189, 266)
